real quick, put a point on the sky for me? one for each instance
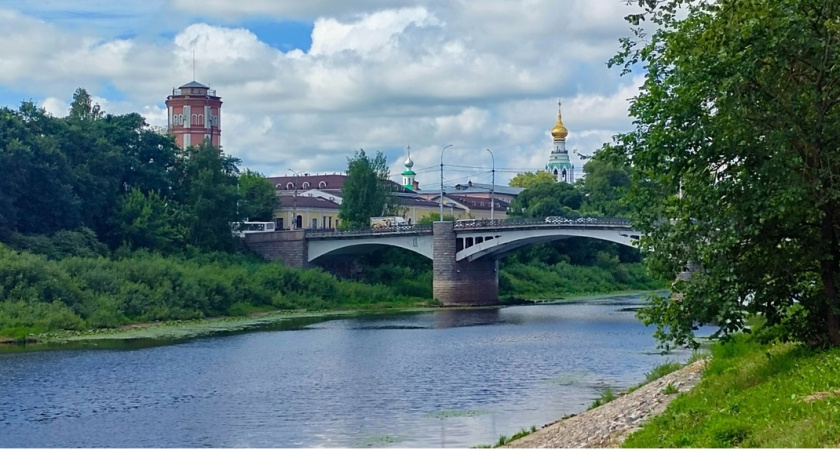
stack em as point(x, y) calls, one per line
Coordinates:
point(305, 84)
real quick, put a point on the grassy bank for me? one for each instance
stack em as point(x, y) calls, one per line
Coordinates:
point(48, 298)
point(538, 280)
point(754, 395)
point(40, 295)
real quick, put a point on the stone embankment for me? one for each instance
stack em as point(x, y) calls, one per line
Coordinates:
point(608, 425)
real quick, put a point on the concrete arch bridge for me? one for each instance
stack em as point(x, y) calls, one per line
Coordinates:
point(464, 254)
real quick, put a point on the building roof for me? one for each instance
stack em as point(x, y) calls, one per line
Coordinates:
point(194, 84)
point(481, 203)
point(415, 200)
point(308, 202)
point(332, 182)
point(472, 188)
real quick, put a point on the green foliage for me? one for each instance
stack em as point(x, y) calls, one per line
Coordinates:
point(733, 162)
point(547, 198)
point(606, 396)
point(207, 189)
point(39, 295)
point(434, 217)
point(543, 281)
point(148, 221)
point(662, 370)
point(670, 389)
point(61, 244)
point(528, 179)
point(754, 395)
point(366, 191)
point(607, 180)
point(258, 197)
point(504, 440)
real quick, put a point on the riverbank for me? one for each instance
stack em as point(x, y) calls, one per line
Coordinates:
point(748, 394)
point(609, 425)
point(188, 329)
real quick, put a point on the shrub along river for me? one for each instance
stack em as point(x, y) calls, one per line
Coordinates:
point(446, 378)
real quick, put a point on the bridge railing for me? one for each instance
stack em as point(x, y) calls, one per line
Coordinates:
point(402, 229)
point(551, 221)
point(468, 224)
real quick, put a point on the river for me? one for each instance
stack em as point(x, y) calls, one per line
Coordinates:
point(448, 378)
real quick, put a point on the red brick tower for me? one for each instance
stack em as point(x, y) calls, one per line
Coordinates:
point(195, 114)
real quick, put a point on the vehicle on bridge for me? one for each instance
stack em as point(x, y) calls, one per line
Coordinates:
point(378, 223)
point(242, 228)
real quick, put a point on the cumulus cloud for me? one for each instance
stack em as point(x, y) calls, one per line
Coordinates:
point(379, 75)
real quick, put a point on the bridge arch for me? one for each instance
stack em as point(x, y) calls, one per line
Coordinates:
point(421, 244)
point(502, 244)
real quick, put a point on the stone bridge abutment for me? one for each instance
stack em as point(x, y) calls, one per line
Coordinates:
point(457, 283)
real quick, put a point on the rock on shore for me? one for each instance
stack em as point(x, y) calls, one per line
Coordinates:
point(608, 425)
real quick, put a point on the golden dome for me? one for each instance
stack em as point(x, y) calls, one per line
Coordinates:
point(559, 132)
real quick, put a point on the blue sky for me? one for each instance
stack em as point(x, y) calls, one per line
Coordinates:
point(305, 84)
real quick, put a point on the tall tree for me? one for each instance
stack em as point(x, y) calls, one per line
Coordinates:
point(605, 184)
point(208, 193)
point(148, 221)
point(258, 197)
point(547, 198)
point(736, 162)
point(528, 179)
point(367, 191)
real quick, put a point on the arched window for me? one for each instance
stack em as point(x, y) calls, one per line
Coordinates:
point(322, 184)
point(306, 185)
point(290, 185)
point(200, 119)
point(194, 119)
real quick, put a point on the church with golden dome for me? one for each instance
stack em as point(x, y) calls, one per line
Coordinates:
point(559, 164)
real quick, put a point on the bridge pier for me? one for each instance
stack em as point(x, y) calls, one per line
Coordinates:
point(461, 283)
point(289, 247)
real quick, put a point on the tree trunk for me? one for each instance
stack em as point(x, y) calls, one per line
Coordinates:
point(828, 266)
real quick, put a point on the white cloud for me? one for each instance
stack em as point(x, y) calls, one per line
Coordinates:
point(380, 75)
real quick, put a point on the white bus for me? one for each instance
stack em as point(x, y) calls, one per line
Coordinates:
point(242, 228)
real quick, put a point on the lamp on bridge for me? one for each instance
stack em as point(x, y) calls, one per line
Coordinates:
point(441, 181)
point(294, 202)
point(492, 183)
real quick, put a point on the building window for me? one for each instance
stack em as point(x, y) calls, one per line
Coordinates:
point(290, 186)
point(322, 184)
point(279, 222)
point(306, 185)
point(314, 223)
point(200, 120)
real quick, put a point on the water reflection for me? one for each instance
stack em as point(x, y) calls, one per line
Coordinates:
point(457, 317)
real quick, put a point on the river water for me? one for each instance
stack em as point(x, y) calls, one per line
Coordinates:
point(448, 378)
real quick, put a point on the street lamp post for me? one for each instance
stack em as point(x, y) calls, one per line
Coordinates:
point(492, 184)
point(441, 181)
point(294, 202)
